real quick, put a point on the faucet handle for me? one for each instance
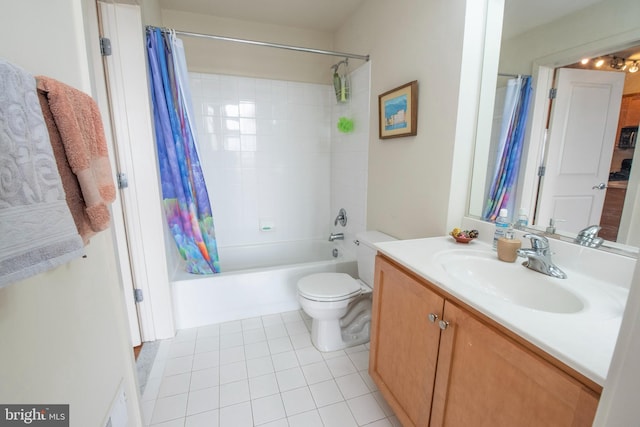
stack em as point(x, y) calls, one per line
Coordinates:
point(537, 242)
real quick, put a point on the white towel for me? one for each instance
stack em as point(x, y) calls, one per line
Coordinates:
point(37, 232)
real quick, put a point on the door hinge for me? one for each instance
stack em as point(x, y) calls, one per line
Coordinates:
point(541, 170)
point(553, 92)
point(105, 46)
point(137, 295)
point(123, 181)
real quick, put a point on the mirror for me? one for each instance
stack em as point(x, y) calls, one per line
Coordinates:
point(533, 44)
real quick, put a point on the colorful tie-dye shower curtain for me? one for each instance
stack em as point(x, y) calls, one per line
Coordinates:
point(184, 193)
point(516, 109)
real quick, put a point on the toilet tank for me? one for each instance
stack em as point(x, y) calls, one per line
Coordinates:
point(366, 253)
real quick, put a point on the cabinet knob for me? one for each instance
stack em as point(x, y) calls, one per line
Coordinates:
point(443, 324)
point(433, 317)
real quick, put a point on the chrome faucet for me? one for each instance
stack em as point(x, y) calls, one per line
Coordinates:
point(539, 257)
point(336, 236)
point(589, 237)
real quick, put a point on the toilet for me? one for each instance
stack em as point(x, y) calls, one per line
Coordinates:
point(338, 304)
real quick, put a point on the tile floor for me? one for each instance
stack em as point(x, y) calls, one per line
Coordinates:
point(262, 371)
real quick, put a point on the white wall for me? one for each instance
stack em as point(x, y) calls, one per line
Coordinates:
point(410, 178)
point(64, 332)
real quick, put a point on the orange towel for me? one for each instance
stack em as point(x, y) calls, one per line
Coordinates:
point(74, 123)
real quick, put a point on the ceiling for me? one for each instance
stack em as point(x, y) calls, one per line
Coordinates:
point(329, 15)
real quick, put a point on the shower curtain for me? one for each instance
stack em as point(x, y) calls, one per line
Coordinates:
point(184, 193)
point(501, 193)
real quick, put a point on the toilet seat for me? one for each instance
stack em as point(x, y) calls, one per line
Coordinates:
point(328, 287)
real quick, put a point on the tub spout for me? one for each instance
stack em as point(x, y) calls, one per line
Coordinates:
point(336, 236)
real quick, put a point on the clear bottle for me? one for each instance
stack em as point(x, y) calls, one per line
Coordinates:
point(523, 219)
point(502, 224)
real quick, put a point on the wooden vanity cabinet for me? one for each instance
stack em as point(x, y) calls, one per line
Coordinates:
point(469, 373)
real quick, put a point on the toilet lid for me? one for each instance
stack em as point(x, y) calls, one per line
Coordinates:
point(328, 286)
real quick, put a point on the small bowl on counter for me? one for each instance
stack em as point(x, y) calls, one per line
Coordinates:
point(463, 236)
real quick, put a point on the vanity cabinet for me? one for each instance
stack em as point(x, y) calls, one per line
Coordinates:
point(439, 363)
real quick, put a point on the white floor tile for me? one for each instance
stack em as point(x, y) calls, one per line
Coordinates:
point(280, 345)
point(209, 331)
point(204, 378)
point(309, 355)
point(206, 360)
point(261, 371)
point(169, 408)
point(326, 393)
point(298, 401)
point(291, 316)
point(251, 323)
point(272, 319)
point(316, 372)
point(352, 385)
point(233, 372)
point(236, 415)
point(254, 335)
point(174, 384)
point(341, 366)
point(274, 331)
point(267, 409)
point(360, 360)
point(301, 340)
point(297, 327)
point(306, 419)
point(286, 360)
point(265, 385)
point(231, 354)
point(207, 344)
point(337, 415)
point(231, 340)
point(258, 349)
point(180, 349)
point(279, 423)
point(204, 419)
point(178, 365)
point(203, 400)
point(290, 379)
point(260, 366)
point(233, 393)
point(365, 409)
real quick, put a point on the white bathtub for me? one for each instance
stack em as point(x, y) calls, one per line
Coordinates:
point(256, 280)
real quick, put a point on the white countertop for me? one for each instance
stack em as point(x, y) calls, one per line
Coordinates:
point(584, 340)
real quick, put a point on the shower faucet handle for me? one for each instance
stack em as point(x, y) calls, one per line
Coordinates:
point(341, 218)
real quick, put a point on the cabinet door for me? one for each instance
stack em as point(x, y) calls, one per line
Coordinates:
point(404, 343)
point(486, 379)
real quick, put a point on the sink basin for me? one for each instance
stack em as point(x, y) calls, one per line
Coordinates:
point(509, 282)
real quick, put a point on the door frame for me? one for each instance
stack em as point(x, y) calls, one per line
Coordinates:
point(143, 241)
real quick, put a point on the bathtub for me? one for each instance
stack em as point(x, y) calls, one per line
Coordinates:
point(256, 280)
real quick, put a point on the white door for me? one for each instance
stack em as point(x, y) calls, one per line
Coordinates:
point(582, 131)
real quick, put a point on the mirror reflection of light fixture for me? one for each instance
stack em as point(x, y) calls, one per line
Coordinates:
point(585, 61)
point(634, 67)
point(617, 63)
point(599, 62)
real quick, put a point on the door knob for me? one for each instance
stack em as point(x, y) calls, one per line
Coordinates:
point(443, 324)
point(433, 317)
point(600, 186)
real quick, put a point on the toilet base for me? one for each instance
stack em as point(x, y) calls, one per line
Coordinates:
point(350, 330)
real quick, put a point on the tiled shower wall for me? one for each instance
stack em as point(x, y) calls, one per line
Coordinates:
point(272, 157)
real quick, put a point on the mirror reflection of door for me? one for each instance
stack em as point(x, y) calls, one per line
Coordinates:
point(582, 130)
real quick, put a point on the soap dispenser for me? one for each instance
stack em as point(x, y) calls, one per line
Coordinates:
point(508, 247)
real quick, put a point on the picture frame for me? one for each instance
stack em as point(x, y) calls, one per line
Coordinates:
point(398, 111)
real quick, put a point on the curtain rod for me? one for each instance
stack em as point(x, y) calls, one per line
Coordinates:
point(267, 44)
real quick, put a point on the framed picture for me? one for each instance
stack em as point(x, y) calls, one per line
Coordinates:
point(398, 111)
